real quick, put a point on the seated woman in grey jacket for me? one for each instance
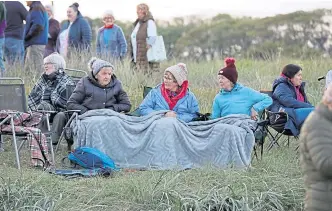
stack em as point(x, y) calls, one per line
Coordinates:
point(99, 90)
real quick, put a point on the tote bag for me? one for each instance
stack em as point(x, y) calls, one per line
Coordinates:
point(157, 52)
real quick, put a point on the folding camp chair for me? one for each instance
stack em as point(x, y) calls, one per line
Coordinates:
point(276, 121)
point(76, 75)
point(12, 97)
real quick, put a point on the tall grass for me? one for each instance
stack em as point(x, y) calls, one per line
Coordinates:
point(275, 183)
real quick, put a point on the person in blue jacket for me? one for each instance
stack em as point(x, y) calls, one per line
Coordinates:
point(289, 96)
point(35, 36)
point(234, 98)
point(111, 42)
point(75, 34)
point(172, 95)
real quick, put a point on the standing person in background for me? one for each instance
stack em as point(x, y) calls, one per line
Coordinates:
point(35, 36)
point(2, 35)
point(53, 31)
point(14, 46)
point(142, 38)
point(111, 42)
point(76, 33)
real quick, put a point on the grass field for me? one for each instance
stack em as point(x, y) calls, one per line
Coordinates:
point(275, 183)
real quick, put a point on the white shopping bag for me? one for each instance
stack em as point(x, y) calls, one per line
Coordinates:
point(157, 52)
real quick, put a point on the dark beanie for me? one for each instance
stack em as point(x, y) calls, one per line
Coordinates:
point(290, 70)
point(229, 71)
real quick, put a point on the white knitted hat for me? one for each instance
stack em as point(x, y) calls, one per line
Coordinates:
point(95, 65)
point(179, 72)
point(57, 60)
point(328, 78)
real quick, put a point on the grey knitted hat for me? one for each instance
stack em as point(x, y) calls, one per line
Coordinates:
point(57, 60)
point(179, 72)
point(95, 65)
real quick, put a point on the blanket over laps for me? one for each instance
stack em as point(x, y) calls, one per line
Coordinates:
point(157, 142)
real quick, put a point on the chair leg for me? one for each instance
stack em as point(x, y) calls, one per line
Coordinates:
point(49, 138)
point(1, 144)
point(288, 142)
point(62, 134)
point(15, 144)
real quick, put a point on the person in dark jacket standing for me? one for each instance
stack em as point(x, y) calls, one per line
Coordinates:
point(53, 31)
point(316, 157)
point(14, 46)
point(35, 36)
point(99, 90)
point(76, 34)
point(289, 96)
point(2, 35)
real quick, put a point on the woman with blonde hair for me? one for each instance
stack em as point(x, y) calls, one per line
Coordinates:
point(142, 38)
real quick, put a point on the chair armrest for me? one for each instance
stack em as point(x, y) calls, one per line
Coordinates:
point(77, 111)
point(45, 112)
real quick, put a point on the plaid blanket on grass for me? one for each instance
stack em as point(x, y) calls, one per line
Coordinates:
point(26, 123)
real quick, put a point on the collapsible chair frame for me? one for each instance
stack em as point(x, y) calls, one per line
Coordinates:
point(24, 109)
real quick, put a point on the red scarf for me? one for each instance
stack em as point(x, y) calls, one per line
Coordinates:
point(168, 95)
point(108, 27)
point(299, 95)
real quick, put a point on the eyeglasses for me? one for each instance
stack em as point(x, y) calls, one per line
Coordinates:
point(167, 78)
point(49, 63)
point(108, 18)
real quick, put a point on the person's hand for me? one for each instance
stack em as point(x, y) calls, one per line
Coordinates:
point(148, 46)
point(254, 114)
point(170, 114)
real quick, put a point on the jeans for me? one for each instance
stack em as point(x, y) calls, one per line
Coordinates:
point(14, 50)
point(301, 115)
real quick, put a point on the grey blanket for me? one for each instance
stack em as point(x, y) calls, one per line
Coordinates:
point(154, 141)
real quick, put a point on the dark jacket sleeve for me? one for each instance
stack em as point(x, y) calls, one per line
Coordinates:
point(54, 29)
point(76, 99)
point(123, 103)
point(37, 25)
point(86, 34)
point(23, 11)
point(283, 94)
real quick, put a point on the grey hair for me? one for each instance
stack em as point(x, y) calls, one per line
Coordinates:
point(48, 6)
point(108, 13)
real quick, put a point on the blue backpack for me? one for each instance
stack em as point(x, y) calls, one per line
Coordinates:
point(91, 158)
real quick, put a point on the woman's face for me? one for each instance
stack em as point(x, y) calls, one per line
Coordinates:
point(225, 83)
point(71, 14)
point(104, 76)
point(49, 68)
point(141, 13)
point(108, 20)
point(170, 82)
point(297, 79)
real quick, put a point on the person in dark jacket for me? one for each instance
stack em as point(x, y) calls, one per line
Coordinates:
point(50, 94)
point(76, 34)
point(289, 96)
point(35, 36)
point(316, 157)
point(53, 31)
point(14, 46)
point(99, 90)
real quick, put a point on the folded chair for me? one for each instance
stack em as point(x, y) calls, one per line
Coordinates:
point(276, 121)
point(12, 97)
point(76, 75)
